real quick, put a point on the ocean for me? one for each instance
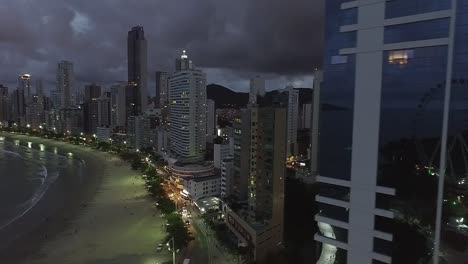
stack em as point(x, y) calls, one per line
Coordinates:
point(34, 181)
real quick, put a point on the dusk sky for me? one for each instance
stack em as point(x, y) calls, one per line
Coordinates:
point(230, 40)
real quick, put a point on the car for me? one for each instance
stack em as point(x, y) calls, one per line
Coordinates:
point(159, 247)
point(187, 222)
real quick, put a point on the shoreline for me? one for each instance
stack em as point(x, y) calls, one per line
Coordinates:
point(108, 219)
point(58, 216)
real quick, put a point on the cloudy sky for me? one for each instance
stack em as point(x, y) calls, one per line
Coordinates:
point(230, 39)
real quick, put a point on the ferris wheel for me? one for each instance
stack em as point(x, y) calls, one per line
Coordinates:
point(457, 148)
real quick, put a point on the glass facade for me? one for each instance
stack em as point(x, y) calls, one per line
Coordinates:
point(410, 130)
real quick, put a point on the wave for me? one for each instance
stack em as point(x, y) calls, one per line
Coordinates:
point(26, 206)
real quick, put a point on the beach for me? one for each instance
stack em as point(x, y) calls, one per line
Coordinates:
point(109, 218)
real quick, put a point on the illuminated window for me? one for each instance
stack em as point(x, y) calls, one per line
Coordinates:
point(400, 56)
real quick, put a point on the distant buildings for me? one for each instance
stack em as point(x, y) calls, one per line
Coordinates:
point(65, 84)
point(4, 104)
point(187, 115)
point(118, 108)
point(257, 88)
point(162, 89)
point(92, 91)
point(137, 93)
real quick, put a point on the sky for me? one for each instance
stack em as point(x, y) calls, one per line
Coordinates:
point(230, 40)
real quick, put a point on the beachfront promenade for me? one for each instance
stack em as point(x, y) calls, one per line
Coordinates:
point(119, 224)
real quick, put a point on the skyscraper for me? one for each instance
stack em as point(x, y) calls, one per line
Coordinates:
point(65, 83)
point(137, 70)
point(161, 99)
point(257, 88)
point(293, 114)
point(187, 116)
point(4, 104)
point(388, 70)
point(183, 63)
point(39, 88)
point(19, 99)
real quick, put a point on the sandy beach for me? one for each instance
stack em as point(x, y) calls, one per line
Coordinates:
point(111, 220)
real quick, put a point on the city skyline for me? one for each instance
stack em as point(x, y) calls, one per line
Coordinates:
point(78, 34)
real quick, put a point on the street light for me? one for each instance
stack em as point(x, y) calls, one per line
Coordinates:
point(173, 249)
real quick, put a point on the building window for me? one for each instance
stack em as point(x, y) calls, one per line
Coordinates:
point(400, 56)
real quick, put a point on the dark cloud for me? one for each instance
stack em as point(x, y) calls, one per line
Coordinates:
point(233, 39)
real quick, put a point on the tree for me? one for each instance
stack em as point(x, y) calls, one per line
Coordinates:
point(136, 163)
point(177, 229)
point(166, 205)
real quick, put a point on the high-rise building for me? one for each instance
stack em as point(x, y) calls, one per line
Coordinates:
point(188, 113)
point(241, 155)
point(183, 63)
point(4, 104)
point(65, 83)
point(293, 113)
point(139, 131)
point(92, 91)
point(118, 90)
point(257, 88)
point(389, 69)
point(314, 137)
point(137, 71)
point(258, 224)
point(162, 89)
point(222, 150)
point(210, 118)
point(18, 101)
point(39, 88)
point(227, 184)
point(24, 83)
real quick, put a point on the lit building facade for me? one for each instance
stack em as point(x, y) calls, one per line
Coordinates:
point(187, 115)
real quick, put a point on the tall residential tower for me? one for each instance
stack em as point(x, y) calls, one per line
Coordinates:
point(137, 71)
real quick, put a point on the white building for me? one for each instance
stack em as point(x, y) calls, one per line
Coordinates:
point(200, 187)
point(187, 115)
point(210, 118)
point(65, 82)
point(227, 185)
point(293, 113)
point(222, 151)
point(118, 104)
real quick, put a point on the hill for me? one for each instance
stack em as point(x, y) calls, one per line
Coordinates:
point(225, 98)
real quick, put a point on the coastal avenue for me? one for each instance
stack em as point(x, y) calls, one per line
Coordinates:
point(205, 248)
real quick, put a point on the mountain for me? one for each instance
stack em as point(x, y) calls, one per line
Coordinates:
point(226, 98)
